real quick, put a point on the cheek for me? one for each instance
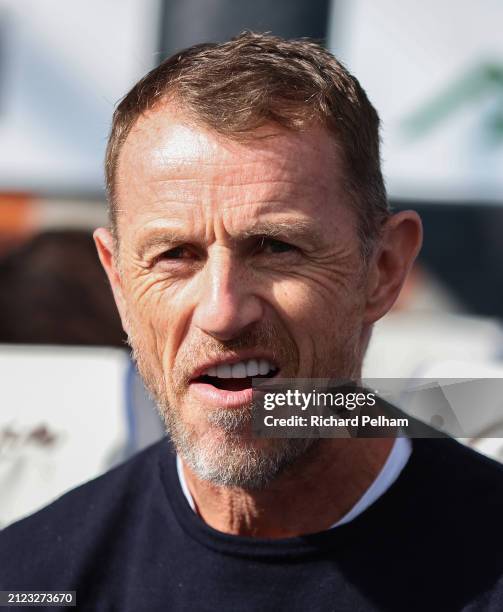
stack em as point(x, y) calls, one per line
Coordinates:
point(321, 319)
point(309, 304)
point(161, 314)
point(293, 301)
point(149, 316)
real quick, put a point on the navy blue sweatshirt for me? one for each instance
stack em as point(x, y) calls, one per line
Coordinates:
point(128, 541)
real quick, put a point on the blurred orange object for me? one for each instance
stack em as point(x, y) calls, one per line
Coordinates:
point(17, 219)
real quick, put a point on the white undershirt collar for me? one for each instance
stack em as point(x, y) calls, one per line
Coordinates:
point(390, 471)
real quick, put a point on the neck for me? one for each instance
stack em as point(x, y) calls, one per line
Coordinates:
point(310, 496)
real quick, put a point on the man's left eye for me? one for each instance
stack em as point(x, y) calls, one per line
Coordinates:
point(272, 245)
point(178, 252)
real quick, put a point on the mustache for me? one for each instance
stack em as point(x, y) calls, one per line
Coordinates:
point(265, 336)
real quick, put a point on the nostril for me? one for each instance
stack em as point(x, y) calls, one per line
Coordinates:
point(227, 313)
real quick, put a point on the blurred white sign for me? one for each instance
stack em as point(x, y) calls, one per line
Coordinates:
point(62, 421)
point(63, 67)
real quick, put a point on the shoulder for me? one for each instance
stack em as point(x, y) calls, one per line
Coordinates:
point(455, 479)
point(458, 466)
point(437, 529)
point(454, 496)
point(70, 529)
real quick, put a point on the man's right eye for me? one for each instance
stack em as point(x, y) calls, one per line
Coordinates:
point(182, 255)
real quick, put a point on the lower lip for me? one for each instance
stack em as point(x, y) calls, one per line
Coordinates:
point(221, 398)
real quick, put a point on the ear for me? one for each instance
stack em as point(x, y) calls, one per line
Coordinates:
point(106, 247)
point(399, 246)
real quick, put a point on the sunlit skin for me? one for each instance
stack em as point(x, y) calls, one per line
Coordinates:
point(217, 238)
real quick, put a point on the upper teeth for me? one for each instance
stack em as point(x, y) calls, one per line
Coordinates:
point(242, 369)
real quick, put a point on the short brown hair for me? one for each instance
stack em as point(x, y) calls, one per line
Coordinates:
point(237, 86)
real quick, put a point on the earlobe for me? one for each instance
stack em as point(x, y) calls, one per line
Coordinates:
point(105, 245)
point(398, 248)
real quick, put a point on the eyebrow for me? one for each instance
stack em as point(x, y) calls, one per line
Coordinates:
point(159, 238)
point(295, 229)
point(289, 229)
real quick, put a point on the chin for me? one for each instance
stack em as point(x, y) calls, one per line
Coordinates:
point(239, 459)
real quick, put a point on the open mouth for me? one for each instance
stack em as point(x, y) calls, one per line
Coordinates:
point(237, 376)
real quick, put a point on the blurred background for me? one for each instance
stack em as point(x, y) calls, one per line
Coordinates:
point(71, 403)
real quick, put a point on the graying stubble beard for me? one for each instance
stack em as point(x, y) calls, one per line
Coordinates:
point(231, 459)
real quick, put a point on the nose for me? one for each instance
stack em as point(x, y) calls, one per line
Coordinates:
point(227, 306)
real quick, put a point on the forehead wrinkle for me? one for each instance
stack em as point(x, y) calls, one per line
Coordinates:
point(237, 183)
point(254, 184)
point(259, 191)
point(224, 171)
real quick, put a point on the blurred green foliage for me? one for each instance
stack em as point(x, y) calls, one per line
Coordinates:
point(474, 87)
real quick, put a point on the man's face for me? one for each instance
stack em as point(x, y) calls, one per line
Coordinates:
point(235, 259)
